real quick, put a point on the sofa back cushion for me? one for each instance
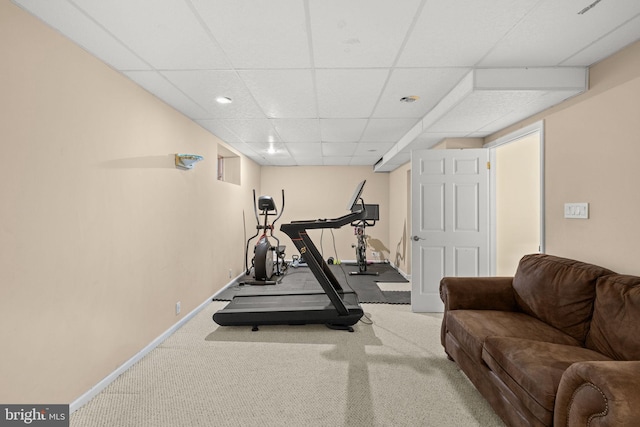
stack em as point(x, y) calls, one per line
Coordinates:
point(558, 291)
point(615, 328)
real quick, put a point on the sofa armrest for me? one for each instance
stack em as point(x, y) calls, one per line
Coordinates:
point(478, 293)
point(599, 394)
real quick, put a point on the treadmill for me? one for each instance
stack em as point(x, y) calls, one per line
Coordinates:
point(335, 305)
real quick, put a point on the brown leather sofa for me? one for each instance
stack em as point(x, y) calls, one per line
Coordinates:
point(557, 345)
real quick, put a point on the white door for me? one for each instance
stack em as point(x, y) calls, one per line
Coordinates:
point(450, 220)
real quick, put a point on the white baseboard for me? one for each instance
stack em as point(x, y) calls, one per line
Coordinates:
point(96, 389)
point(231, 283)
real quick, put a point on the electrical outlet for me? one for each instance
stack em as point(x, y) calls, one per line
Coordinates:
point(177, 308)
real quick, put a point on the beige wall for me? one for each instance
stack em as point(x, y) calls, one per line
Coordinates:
point(517, 174)
point(592, 156)
point(400, 217)
point(313, 192)
point(100, 234)
point(592, 146)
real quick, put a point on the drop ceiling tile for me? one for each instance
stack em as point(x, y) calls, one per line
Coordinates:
point(333, 149)
point(204, 86)
point(163, 89)
point(297, 130)
point(305, 149)
point(385, 130)
point(217, 127)
point(282, 93)
point(481, 108)
point(460, 32)
point(342, 130)
point(543, 38)
point(251, 130)
point(165, 34)
point(612, 42)
point(373, 149)
point(268, 34)
point(430, 84)
point(349, 93)
point(275, 150)
point(538, 104)
point(359, 33)
point(71, 22)
point(337, 161)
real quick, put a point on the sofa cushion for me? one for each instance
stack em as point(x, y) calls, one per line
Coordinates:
point(558, 291)
point(615, 328)
point(471, 327)
point(532, 369)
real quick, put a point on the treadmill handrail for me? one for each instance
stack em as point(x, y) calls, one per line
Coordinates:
point(325, 223)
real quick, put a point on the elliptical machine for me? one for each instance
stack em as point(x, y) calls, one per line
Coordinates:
point(265, 256)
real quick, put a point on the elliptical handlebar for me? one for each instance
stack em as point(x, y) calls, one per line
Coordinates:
point(281, 210)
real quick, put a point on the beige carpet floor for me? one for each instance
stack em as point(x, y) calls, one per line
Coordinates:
point(391, 371)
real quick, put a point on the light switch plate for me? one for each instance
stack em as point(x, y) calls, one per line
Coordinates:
point(576, 210)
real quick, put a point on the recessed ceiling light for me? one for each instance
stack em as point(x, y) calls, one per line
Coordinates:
point(223, 100)
point(409, 99)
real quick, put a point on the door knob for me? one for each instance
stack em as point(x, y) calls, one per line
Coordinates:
point(416, 238)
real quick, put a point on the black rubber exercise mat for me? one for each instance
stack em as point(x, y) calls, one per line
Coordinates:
point(301, 278)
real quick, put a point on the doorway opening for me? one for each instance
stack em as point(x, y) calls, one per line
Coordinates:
point(517, 198)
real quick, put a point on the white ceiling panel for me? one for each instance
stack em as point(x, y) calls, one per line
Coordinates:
point(298, 130)
point(430, 84)
point(372, 149)
point(541, 38)
point(204, 86)
point(305, 149)
point(158, 85)
point(612, 42)
point(545, 100)
point(259, 34)
point(359, 33)
point(342, 130)
point(337, 161)
point(349, 93)
point(333, 149)
point(386, 130)
point(271, 150)
point(165, 33)
point(251, 130)
point(323, 79)
point(283, 93)
point(482, 107)
point(458, 33)
point(74, 24)
point(218, 128)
